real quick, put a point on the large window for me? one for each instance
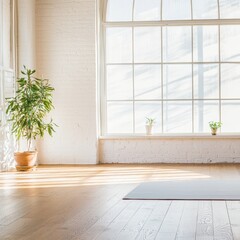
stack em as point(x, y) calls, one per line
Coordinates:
point(7, 79)
point(177, 61)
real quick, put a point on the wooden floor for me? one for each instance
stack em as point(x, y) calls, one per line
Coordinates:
point(85, 202)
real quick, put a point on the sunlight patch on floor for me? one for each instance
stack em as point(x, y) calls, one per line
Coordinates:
point(92, 176)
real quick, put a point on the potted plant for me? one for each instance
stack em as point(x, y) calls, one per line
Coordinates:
point(214, 127)
point(26, 113)
point(149, 124)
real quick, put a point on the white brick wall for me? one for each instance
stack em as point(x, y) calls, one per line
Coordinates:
point(179, 150)
point(26, 34)
point(65, 43)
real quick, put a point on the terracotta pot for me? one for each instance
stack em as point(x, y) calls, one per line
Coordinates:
point(214, 131)
point(25, 160)
point(148, 129)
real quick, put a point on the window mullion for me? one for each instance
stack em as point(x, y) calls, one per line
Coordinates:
point(133, 80)
point(162, 117)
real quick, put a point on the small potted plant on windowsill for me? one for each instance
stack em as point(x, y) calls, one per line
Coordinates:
point(26, 111)
point(214, 127)
point(149, 124)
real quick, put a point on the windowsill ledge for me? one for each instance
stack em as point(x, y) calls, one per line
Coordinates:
point(170, 136)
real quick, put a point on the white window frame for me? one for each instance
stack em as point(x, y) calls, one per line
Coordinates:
point(6, 72)
point(103, 25)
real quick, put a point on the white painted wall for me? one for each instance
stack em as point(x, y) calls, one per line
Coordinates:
point(170, 150)
point(26, 34)
point(65, 43)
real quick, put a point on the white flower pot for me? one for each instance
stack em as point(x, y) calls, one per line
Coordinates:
point(214, 131)
point(148, 129)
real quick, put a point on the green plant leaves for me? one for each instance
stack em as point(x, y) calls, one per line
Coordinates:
point(27, 110)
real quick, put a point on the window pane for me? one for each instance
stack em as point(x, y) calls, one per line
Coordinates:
point(177, 116)
point(147, 10)
point(9, 85)
point(120, 117)
point(177, 81)
point(119, 82)
point(204, 112)
point(119, 45)
point(205, 9)
point(119, 10)
point(177, 44)
point(206, 81)
point(176, 9)
point(229, 8)
point(230, 116)
point(6, 34)
point(230, 39)
point(147, 44)
point(147, 81)
point(147, 109)
point(230, 78)
point(205, 44)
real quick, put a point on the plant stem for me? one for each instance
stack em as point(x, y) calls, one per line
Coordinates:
point(29, 144)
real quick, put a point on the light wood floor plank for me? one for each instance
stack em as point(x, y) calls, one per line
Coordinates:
point(169, 228)
point(187, 226)
point(154, 222)
point(234, 217)
point(221, 224)
point(135, 225)
point(102, 224)
point(85, 203)
point(120, 222)
point(205, 221)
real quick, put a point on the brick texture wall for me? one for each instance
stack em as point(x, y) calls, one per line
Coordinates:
point(175, 150)
point(65, 49)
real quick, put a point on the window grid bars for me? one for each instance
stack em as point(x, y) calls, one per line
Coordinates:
point(162, 112)
point(171, 63)
point(133, 71)
point(162, 100)
point(161, 15)
point(220, 75)
point(192, 70)
point(161, 24)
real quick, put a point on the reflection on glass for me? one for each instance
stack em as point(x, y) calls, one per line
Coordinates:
point(205, 9)
point(147, 44)
point(119, 10)
point(229, 8)
point(204, 112)
point(177, 44)
point(147, 81)
point(205, 44)
point(206, 81)
point(231, 116)
point(177, 81)
point(230, 39)
point(147, 109)
point(119, 82)
point(177, 116)
point(120, 117)
point(176, 9)
point(230, 79)
point(119, 45)
point(147, 10)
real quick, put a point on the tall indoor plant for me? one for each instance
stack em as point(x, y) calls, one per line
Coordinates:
point(27, 111)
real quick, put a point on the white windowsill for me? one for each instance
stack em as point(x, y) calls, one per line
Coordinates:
point(171, 136)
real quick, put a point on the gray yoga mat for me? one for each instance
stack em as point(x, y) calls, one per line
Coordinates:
point(187, 190)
